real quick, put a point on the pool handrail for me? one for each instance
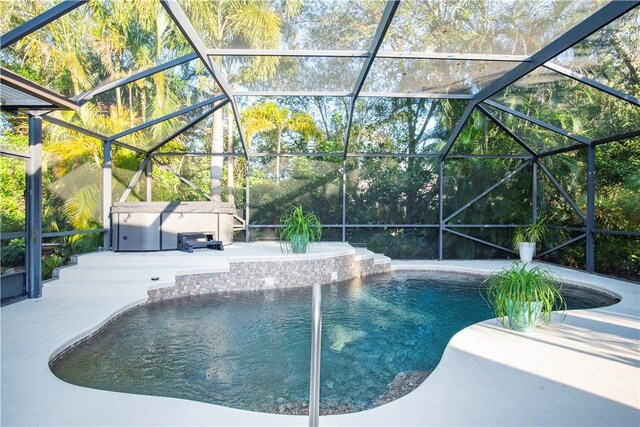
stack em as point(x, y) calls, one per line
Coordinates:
point(314, 378)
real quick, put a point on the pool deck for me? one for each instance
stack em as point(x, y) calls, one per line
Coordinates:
point(583, 370)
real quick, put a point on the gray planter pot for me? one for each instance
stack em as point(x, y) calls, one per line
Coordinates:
point(299, 244)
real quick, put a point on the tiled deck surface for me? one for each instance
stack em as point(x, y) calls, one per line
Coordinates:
point(582, 371)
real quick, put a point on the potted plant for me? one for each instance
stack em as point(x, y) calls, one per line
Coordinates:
point(524, 296)
point(299, 228)
point(525, 238)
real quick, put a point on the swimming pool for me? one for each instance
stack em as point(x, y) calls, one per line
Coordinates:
point(251, 350)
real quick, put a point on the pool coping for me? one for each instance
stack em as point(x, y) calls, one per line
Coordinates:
point(474, 383)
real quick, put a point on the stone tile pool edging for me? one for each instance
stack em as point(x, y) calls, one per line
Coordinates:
point(33, 329)
point(255, 275)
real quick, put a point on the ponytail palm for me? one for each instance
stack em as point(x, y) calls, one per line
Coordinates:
point(299, 228)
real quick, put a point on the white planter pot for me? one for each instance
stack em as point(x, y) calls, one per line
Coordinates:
point(527, 251)
point(523, 316)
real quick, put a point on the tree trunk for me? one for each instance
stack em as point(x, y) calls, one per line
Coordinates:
point(118, 99)
point(278, 155)
point(130, 87)
point(230, 160)
point(217, 146)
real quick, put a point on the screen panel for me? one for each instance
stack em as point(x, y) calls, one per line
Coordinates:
point(570, 105)
point(392, 190)
point(403, 125)
point(96, 42)
point(536, 137)
point(607, 56)
point(397, 243)
point(491, 27)
point(618, 256)
point(287, 74)
point(465, 179)
point(480, 135)
point(71, 180)
point(618, 185)
point(276, 183)
point(406, 75)
point(305, 124)
point(272, 24)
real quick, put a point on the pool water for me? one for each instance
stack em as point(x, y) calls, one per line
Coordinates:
point(251, 350)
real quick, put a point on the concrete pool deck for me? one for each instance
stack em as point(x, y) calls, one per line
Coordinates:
point(584, 370)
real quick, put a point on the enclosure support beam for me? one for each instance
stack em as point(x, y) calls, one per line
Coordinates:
point(83, 98)
point(169, 116)
point(584, 29)
point(34, 209)
point(344, 200)
point(183, 179)
point(381, 30)
point(475, 239)
point(337, 94)
point(591, 207)
point(562, 192)
point(311, 53)
point(188, 126)
point(92, 134)
point(535, 121)
point(615, 138)
point(177, 14)
point(592, 83)
point(440, 210)
point(507, 131)
point(39, 21)
point(562, 150)
point(134, 179)
point(106, 194)
point(599, 19)
point(457, 129)
point(487, 191)
point(562, 245)
point(32, 89)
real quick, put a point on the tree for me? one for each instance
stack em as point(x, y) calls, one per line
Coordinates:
point(269, 116)
point(252, 24)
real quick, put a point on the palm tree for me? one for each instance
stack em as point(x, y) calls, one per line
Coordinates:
point(268, 116)
point(252, 24)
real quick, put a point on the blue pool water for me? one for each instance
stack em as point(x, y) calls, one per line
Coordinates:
point(380, 339)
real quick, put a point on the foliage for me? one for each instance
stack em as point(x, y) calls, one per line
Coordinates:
point(513, 289)
point(50, 263)
point(298, 224)
point(12, 255)
point(532, 233)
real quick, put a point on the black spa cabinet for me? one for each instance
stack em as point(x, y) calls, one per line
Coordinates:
point(154, 226)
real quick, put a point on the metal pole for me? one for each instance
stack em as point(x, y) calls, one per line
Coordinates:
point(106, 195)
point(247, 237)
point(591, 207)
point(34, 209)
point(149, 174)
point(314, 378)
point(440, 210)
point(344, 200)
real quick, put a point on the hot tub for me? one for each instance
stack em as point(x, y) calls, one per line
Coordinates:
point(154, 226)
